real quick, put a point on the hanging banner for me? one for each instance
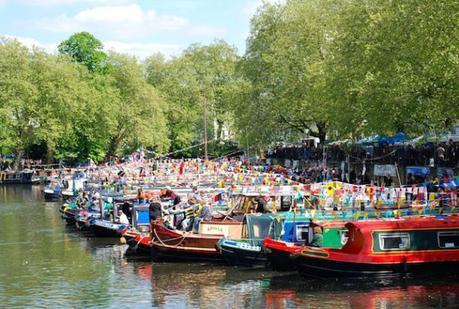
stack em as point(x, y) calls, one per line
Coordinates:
point(421, 171)
point(385, 170)
point(445, 172)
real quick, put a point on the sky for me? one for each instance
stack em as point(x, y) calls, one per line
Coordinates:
point(137, 27)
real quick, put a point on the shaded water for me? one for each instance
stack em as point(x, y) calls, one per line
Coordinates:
point(45, 264)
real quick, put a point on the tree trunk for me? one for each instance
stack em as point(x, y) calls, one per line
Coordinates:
point(17, 160)
point(49, 154)
point(322, 132)
point(219, 129)
point(112, 147)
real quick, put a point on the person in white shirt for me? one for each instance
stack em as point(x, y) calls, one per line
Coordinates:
point(123, 218)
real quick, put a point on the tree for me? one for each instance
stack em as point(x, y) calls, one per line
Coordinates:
point(285, 64)
point(198, 85)
point(39, 98)
point(395, 67)
point(84, 48)
point(138, 114)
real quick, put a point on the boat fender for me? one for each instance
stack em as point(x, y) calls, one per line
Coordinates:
point(405, 266)
point(123, 240)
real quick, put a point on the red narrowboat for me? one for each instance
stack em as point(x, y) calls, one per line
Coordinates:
point(410, 245)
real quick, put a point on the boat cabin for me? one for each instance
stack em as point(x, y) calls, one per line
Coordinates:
point(417, 234)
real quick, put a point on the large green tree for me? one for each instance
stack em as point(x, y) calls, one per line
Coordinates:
point(395, 67)
point(197, 85)
point(40, 95)
point(285, 63)
point(85, 49)
point(138, 113)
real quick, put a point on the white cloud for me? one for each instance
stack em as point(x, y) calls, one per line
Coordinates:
point(30, 42)
point(143, 50)
point(128, 20)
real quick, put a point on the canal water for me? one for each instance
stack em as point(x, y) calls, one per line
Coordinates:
point(45, 264)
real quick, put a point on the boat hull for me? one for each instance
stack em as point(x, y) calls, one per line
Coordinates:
point(103, 229)
point(241, 254)
point(52, 196)
point(279, 254)
point(318, 267)
point(176, 246)
point(139, 244)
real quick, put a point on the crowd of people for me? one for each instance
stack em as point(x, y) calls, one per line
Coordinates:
point(440, 154)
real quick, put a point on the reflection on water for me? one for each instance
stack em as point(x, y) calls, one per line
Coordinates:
point(45, 264)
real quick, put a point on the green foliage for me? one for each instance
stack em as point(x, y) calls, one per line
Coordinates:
point(202, 78)
point(317, 67)
point(347, 68)
point(395, 67)
point(138, 114)
point(84, 48)
point(54, 103)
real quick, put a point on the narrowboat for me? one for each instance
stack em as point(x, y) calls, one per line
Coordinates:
point(72, 185)
point(172, 244)
point(177, 244)
point(69, 211)
point(108, 224)
point(106, 228)
point(250, 251)
point(53, 190)
point(25, 177)
point(405, 246)
point(247, 250)
point(84, 217)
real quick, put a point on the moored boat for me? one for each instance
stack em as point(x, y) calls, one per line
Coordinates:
point(181, 245)
point(249, 251)
point(106, 228)
point(25, 177)
point(411, 245)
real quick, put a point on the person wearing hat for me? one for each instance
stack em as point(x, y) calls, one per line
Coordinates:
point(170, 195)
point(318, 238)
point(194, 197)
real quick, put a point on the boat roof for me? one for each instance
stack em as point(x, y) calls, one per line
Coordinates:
point(418, 222)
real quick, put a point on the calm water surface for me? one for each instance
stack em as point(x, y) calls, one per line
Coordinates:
point(45, 264)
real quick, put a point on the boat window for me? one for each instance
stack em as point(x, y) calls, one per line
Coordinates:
point(286, 202)
point(394, 241)
point(448, 239)
point(302, 232)
point(344, 236)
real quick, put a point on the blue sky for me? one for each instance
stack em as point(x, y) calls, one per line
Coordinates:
point(139, 27)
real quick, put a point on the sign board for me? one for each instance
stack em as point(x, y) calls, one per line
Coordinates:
point(444, 171)
point(420, 171)
point(385, 170)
